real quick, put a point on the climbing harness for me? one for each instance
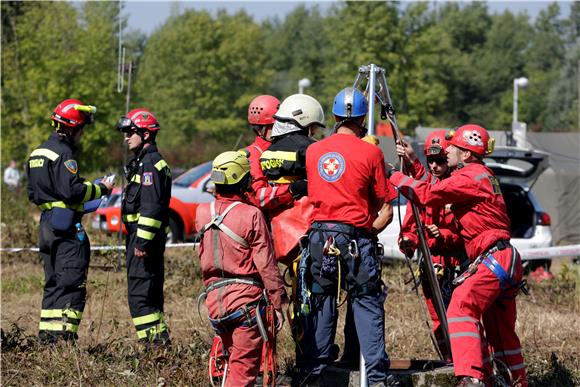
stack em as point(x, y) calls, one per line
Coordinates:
point(505, 280)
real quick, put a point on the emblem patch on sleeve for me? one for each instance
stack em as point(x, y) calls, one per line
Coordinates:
point(72, 166)
point(331, 166)
point(147, 178)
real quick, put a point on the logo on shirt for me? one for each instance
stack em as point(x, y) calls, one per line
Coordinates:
point(72, 166)
point(148, 178)
point(331, 166)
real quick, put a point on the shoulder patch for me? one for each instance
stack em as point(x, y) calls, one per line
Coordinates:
point(331, 166)
point(147, 178)
point(72, 166)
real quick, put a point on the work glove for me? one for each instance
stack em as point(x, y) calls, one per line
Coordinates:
point(407, 246)
point(374, 140)
point(299, 188)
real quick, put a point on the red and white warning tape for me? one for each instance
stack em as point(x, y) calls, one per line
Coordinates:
point(391, 252)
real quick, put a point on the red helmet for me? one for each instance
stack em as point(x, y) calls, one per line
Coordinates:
point(138, 119)
point(474, 138)
point(72, 112)
point(436, 143)
point(261, 110)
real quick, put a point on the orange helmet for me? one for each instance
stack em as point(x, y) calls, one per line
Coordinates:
point(138, 119)
point(261, 110)
point(473, 138)
point(72, 113)
point(436, 143)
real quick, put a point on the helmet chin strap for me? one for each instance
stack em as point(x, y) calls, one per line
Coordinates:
point(261, 133)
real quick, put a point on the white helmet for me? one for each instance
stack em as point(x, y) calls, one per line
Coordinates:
point(302, 110)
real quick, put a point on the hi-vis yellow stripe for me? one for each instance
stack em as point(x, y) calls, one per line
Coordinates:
point(143, 220)
point(136, 179)
point(45, 153)
point(59, 313)
point(151, 332)
point(160, 165)
point(131, 217)
point(281, 155)
point(148, 318)
point(145, 234)
point(89, 191)
point(58, 326)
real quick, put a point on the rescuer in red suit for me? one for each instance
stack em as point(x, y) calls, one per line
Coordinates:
point(238, 269)
point(482, 312)
point(443, 239)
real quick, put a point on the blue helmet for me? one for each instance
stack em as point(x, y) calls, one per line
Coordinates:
point(350, 103)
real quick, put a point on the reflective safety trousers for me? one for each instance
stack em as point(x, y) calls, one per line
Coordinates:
point(145, 277)
point(66, 262)
point(482, 319)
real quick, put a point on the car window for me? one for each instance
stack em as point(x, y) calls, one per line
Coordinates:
point(189, 177)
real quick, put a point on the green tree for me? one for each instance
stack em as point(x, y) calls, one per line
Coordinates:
point(198, 74)
point(43, 64)
point(295, 49)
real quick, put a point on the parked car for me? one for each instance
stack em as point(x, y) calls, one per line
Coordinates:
point(187, 192)
point(517, 170)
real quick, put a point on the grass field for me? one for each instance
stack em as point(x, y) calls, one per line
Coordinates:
point(107, 352)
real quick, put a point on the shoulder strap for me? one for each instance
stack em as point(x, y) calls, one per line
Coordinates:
point(217, 221)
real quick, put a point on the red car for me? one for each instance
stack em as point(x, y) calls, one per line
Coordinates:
point(188, 190)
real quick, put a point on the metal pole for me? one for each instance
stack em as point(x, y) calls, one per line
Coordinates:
point(515, 103)
point(371, 96)
point(371, 130)
point(125, 149)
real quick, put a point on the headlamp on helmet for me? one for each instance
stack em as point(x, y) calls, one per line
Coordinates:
point(436, 143)
point(73, 113)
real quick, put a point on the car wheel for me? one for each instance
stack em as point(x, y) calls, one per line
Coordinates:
point(175, 232)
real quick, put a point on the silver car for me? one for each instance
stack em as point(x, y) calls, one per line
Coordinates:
point(517, 170)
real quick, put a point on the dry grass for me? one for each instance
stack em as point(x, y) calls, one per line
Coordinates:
point(107, 354)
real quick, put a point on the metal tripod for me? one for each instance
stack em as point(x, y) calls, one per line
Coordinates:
point(376, 89)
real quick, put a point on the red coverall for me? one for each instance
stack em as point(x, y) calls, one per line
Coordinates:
point(446, 250)
point(480, 310)
point(264, 196)
point(222, 257)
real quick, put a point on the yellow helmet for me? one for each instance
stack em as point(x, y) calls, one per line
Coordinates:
point(229, 168)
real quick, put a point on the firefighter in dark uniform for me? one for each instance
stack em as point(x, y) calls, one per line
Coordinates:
point(145, 215)
point(295, 122)
point(55, 186)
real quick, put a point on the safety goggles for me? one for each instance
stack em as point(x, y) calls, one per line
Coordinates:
point(125, 125)
point(439, 160)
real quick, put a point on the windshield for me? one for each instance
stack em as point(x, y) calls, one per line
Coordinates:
point(194, 174)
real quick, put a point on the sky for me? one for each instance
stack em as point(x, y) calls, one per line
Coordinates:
point(146, 16)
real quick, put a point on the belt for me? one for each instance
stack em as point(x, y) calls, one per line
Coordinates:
point(230, 281)
point(498, 246)
point(241, 317)
point(50, 205)
point(340, 227)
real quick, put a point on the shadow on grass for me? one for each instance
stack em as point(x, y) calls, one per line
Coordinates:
point(556, 375)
